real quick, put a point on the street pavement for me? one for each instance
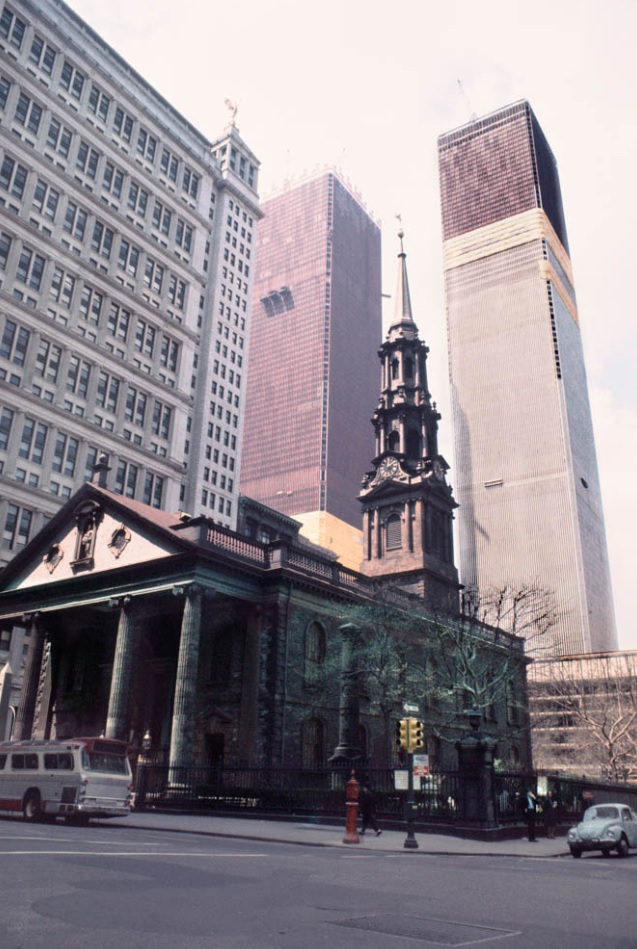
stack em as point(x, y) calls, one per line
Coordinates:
point(331, 835)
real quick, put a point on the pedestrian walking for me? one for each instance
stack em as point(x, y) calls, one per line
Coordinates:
point(549, 815)
point(367, 808)
point(531, 810)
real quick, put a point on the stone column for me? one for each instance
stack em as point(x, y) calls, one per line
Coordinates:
point(30, 679)
point(349, 719)
point(183, 721)
point(117, 715)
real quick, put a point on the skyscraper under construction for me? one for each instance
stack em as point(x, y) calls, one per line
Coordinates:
point(526, 469)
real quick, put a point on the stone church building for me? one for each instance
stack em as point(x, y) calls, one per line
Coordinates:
point(215, 646)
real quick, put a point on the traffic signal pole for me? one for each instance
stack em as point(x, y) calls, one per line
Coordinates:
point(410, 840)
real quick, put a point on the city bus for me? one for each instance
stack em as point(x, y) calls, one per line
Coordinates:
point(74, 778)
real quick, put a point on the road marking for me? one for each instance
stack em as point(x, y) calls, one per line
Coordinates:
point(123, 853)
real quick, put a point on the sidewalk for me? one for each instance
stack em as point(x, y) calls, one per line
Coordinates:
point(323, 835)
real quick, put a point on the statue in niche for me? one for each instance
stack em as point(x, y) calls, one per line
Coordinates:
point(87, 518)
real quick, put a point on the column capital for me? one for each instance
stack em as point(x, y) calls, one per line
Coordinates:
point(120, 602)
point(191, 589)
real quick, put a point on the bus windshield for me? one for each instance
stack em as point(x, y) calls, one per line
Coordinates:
point(104, 762)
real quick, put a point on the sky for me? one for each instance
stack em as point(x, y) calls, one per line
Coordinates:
point(367, 86)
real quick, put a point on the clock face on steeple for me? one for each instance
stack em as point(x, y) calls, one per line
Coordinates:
point(388, 468)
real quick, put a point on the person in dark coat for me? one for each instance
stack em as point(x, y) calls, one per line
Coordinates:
point(549, 815)
point(367, 809)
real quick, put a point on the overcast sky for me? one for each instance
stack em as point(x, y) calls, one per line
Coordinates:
point(368, 85)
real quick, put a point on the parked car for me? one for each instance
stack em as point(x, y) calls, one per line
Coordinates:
point(604, 827)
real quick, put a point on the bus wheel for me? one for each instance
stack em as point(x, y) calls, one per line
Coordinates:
point(32, 806)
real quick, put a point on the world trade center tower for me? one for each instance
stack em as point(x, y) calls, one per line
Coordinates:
point(526, 470)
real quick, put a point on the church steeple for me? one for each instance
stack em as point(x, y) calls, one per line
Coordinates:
point(403, 322)
point(407, 503)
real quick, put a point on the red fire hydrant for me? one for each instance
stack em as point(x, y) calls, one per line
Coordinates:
point(351, 812)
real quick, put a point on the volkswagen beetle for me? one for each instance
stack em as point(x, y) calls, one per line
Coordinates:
point(604, 827)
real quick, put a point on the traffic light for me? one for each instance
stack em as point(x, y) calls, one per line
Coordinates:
point(403, 733)
point(417, 734)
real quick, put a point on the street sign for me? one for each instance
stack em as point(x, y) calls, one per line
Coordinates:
point(421, 766)
point(410, 708)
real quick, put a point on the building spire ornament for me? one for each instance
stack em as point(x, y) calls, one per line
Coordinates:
point(403, 322)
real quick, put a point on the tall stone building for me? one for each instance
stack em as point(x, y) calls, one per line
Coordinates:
point(313, 371)
point(126, 242)
point(526, 468)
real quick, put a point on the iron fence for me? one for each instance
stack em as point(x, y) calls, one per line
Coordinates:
point(320, 792)
point(308, 792)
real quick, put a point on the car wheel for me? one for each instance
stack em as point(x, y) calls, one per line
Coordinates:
point(576, 852)
point(32, 806)
point(622, 847)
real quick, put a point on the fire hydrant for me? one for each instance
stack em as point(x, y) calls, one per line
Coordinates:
point(351, 812)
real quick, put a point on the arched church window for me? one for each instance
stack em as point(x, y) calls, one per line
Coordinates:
point(409, 368)
point(393, 532)
point(394, 441)
point(314, 655)
point(395, 368)
point(413, 444)
point(313, 741)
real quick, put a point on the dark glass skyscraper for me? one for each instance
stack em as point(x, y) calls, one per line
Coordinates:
point(526, 469)
point(313, 365)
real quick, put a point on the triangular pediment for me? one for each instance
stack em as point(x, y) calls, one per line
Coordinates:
point(93, 533)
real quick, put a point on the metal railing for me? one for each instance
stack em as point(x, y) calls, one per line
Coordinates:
point(279, 791)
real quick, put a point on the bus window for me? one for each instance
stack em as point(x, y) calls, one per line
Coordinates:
point(54, 762)
point(20, 762)
point(101, 761)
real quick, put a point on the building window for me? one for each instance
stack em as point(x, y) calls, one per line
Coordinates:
point(123, 124)
point(137, 199)
point(72, 80)
point(32, 441)
point(42, 55)
point(87, 159)
point(118, 322)
point(313, 743)
point(113, 180)
point(65, 455)
point(128, 258)
point(75, 221)
point(17, 526)
point(14, 343)
point(107, 392)
point(59, 138)
point(98, 103)
point(102, 241)
point(78, 377)
point(315, 651)
point(62, 287)
point(6, 421)
point(45, 199)
point(47, 361)
point(153, 490)
point(126, 479)
point(393, 532)
point(30, 269)
point(12, 177)
point(12, 28)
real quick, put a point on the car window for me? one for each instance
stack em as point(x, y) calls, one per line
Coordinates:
point(605, 813)
point(625, 814)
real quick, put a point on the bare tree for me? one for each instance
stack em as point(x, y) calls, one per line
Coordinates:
point(529, 611)
point(471, 666)
point(443, 665)
point(585, 714)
